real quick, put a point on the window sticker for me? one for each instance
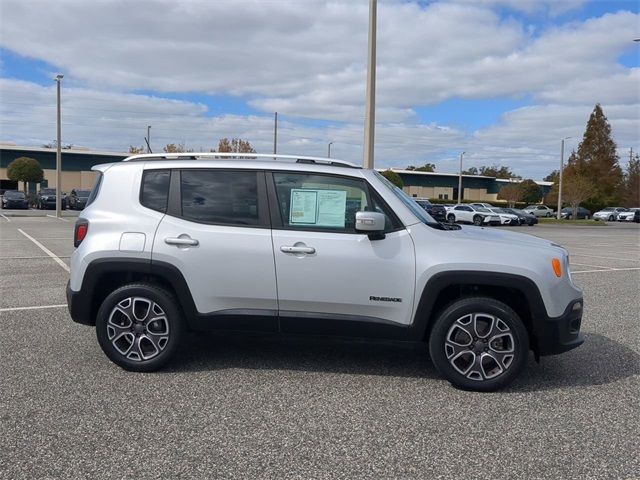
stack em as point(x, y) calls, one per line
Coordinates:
point(304, 207)
point(321, 208)
point(332, 205)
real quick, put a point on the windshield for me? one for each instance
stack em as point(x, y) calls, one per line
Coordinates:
point(48, 191)
point(608, 209)
point(83, 193)
point(482, 209)
point(13, 194)
point(416, 209)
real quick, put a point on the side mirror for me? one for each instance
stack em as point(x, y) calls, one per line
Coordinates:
point(371, 223)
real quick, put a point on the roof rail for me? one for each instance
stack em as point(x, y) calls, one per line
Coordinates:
point(248, 156)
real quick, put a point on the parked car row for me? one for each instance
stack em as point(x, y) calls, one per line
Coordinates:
point(486, 214)
point(630, 215)
point(45, 199)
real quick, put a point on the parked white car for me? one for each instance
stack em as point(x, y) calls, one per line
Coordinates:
point(629, 215)
point(539, 211)
point(470, 214)
point(483, 205)
point(610, 213)
point(506, 218)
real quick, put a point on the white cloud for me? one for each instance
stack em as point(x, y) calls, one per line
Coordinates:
point(308, 59)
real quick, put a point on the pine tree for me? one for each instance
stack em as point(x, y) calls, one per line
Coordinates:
point(632, 183)
point(597, 160)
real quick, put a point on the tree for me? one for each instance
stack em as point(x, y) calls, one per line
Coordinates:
point(552, 177)
point(470, 171)
point(597, 161)
point(25, 169)
point(393, 177)
point(135, 150)
point(576, 189)
point(497, 172)
point(176, 148)
point(427, 167)
point(235, 145)
point(511, 192)
point(632, 183)
point(531, 191)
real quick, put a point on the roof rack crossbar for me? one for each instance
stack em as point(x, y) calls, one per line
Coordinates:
point(249, 156)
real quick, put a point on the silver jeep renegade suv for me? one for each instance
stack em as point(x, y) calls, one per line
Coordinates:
point(307, 245)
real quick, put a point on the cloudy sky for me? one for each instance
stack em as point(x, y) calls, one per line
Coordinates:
point(503, 80)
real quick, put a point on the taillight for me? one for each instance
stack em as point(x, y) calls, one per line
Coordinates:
point(82, 227)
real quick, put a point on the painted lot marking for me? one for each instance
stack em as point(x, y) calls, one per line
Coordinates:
point(606, 258)
point(6, 218)
point(46, 250)
point(16, 309)
point(606, 270)
point(46, 256)
point(53, 216)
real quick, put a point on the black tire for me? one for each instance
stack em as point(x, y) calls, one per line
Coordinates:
point(513, 357)
point(477, 220)
point(611, 219)
point(451, 218)
point(109, 333)
point(569, 217)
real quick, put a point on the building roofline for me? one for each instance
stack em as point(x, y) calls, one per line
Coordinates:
point(9, 146)
point(413, 172)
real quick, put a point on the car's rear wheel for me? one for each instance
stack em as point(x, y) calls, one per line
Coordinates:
point(139, 327)
point(611, 218)
point(479, 343)
point(569, 217)
point(451, 218)
point(477, 220)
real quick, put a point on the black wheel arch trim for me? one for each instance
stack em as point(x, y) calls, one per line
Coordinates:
point(428, 308)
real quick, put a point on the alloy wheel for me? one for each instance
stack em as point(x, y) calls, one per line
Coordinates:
point(138, 328)
point(480, 346)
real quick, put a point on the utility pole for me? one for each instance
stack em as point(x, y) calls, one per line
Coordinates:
point(58, 78)
point(460, 180)
point(558, 216)
point(370, 109)
point(329, 149)
point(630, 154)
point(275, 133)
point(148, 139)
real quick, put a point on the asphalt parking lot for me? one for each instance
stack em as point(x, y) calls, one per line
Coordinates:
point(262, 407)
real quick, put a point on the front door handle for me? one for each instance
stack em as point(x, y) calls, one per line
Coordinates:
point(297, 249)
point(181, 241)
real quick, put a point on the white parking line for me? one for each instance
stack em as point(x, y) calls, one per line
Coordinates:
point(5, 217)
point(607, 270)
point(32, 257)
point(15, 309)
point(573, 254)
point(46, 250)
point(592, 266)
point(53, 216)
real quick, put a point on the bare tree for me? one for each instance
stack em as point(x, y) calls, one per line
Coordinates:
point(511, 192)
point(576, 189)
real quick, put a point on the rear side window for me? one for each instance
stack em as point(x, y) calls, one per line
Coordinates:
point(220, 197)
point(95, 190)
point(155, 189)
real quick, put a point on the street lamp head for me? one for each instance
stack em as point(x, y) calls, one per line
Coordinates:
point(58, 77)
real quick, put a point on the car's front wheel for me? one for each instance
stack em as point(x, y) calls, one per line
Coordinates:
point(479, 343)
point(451, 218)
point(139, 327)
point(477, 220)
point(611, 218)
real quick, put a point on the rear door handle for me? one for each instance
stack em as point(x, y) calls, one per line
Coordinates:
point(295, 249)
point(182, 241)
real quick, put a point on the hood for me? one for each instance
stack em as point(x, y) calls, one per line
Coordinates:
point(494, 236)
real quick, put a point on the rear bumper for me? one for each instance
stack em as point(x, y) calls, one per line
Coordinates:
point(79, 307)
point(560, 334)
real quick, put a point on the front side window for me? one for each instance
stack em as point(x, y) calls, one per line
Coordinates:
point(319, 202)
point(220, 197)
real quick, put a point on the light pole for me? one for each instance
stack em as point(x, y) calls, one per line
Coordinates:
point(58, 78)
point(370, 109)
point(558, 216)
point(329, 149)
point(148, 139)
point(460, 180)
point(275, 133)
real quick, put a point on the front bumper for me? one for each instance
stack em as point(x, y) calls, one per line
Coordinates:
point(560, 334)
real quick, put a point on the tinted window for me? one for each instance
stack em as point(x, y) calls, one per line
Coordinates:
point(83, 193)
point(95, 189)
point(14, 194)
point(219, 196)
point(155, 189)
